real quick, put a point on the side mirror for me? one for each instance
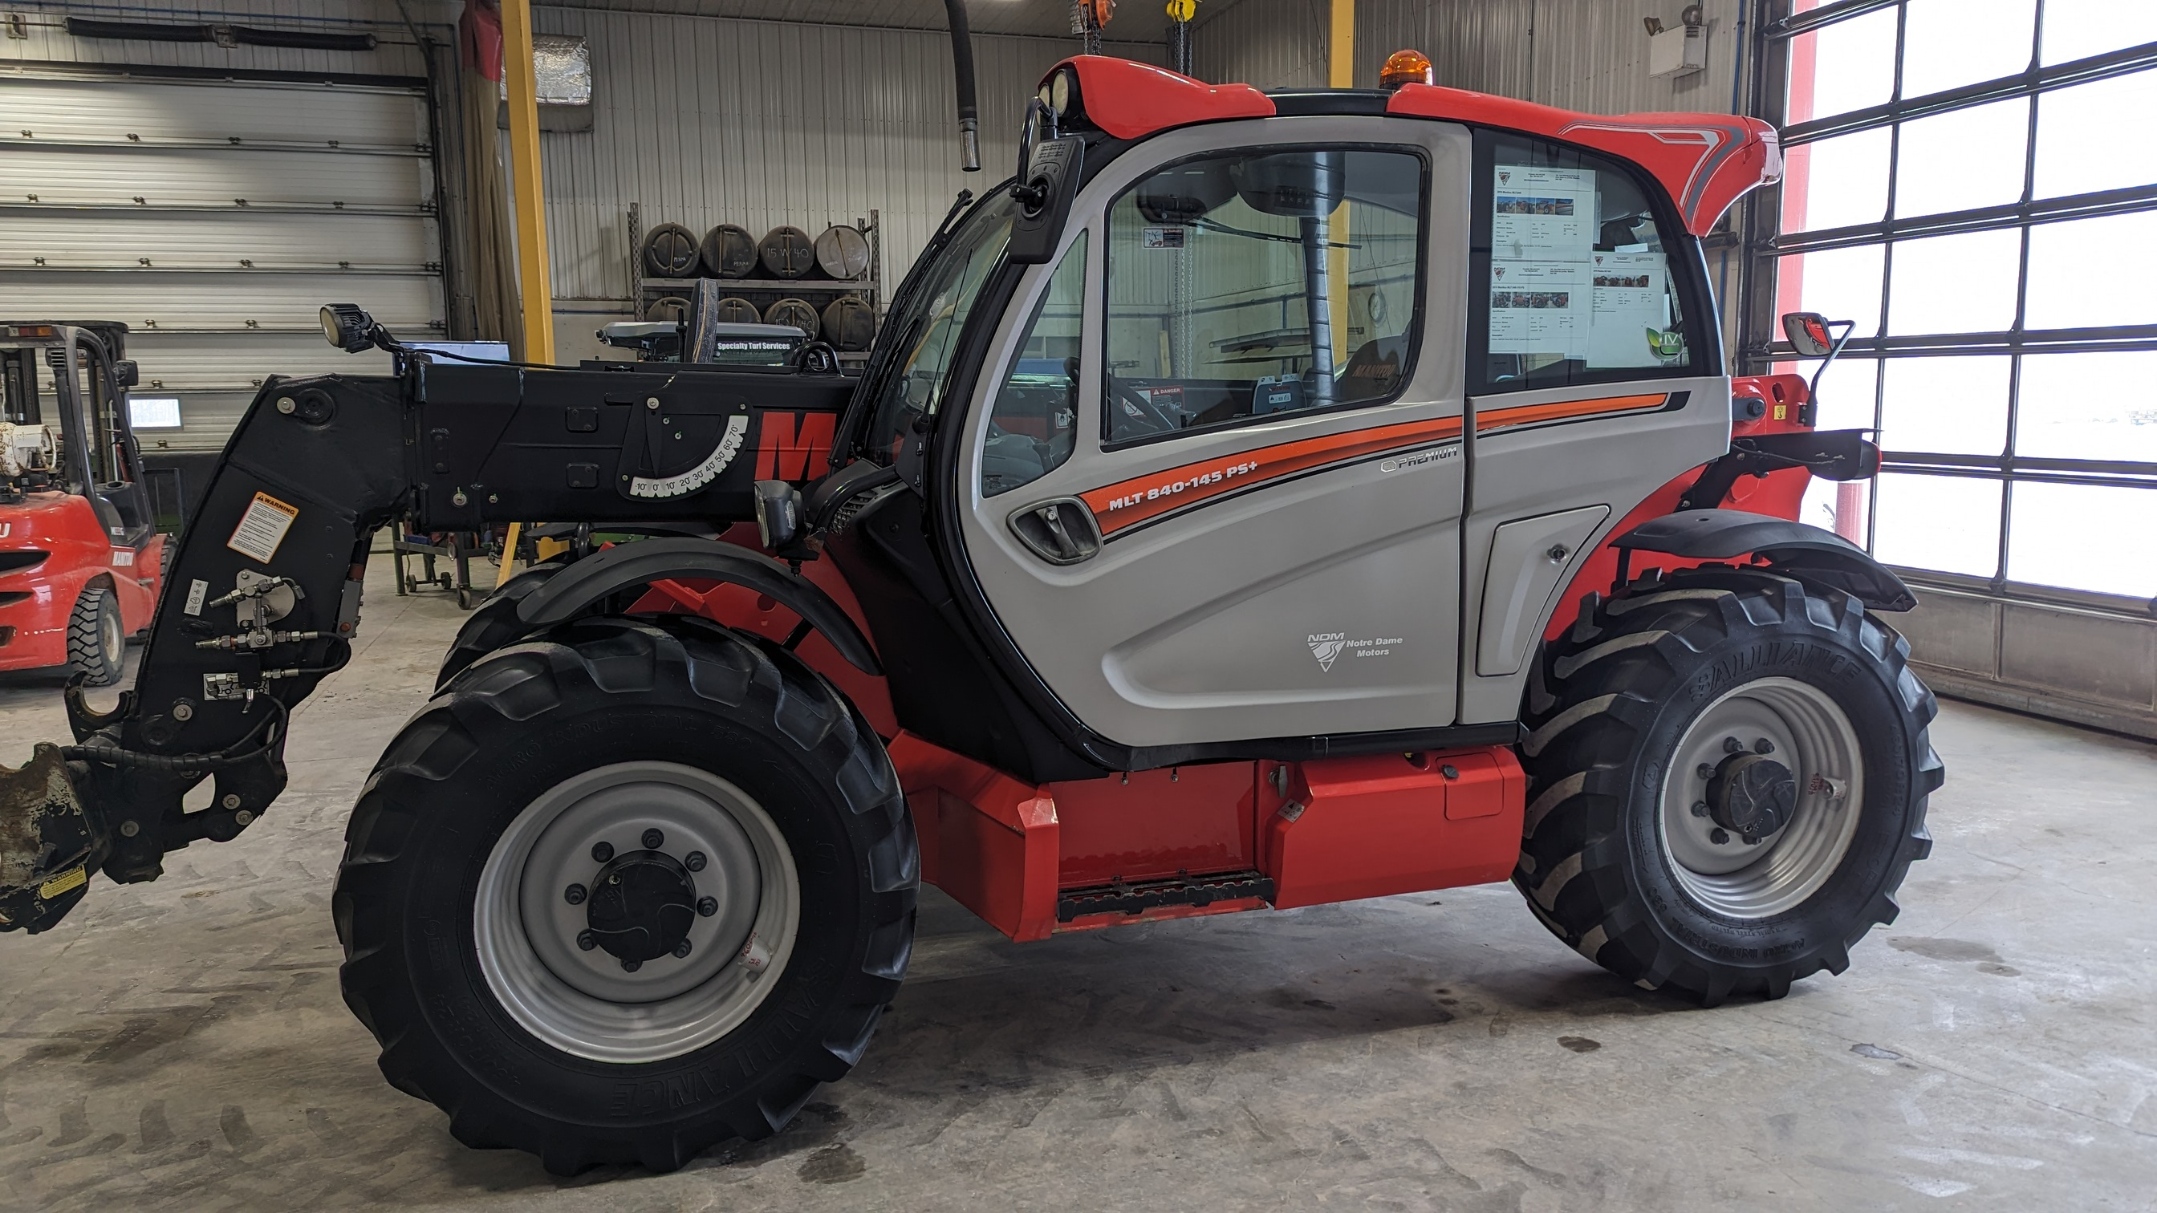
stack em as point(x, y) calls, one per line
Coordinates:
point(1810, 334)
point(1813, 335)
point(126, 373)
point(1045, 200)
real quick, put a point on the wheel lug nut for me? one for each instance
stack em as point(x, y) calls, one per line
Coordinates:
point(694, 861)
point(1732, 745)
point(1705, 770)
point(1700, 808)
point(631, 966)
point(653, 839)
point(574, 894)
point(681, 949)
point(587, 940)
point(708, 906)
point(1763, 746)
point(602, 852)
point(1718, 836)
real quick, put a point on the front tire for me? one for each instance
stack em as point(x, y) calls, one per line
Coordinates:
point(96, 639)
point(748, 879)
point(1728, 776)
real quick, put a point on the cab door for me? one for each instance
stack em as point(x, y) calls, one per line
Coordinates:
point(1213, 466)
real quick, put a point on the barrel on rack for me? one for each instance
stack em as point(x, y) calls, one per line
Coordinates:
point(849, 323)
point(670, 251)
point(787, 252)
point(668, 309)
point(729, 251)
point(736, 310)
point(842, 252)
point(796, 312)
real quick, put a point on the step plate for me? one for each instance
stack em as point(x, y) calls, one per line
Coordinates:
point(1139, 896)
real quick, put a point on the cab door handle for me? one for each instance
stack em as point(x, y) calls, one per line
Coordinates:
point(1062, 531)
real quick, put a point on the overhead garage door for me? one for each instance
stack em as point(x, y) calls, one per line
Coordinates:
point(213, 218)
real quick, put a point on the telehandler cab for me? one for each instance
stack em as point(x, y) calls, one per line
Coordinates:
point(1262, 499)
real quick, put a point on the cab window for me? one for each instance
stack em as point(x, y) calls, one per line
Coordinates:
point(923, 332)
point(1246, 285)
point(1584, 282)
point(1035, 419)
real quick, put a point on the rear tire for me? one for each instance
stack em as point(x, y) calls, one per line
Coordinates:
point(96, 639)
point(1655, 704)
point(521, 1037)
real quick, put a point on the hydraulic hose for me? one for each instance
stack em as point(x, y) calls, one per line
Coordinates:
point(962, 70)
point(231, 756)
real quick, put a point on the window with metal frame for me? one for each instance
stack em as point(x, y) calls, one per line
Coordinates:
point(1250, 284)
point(1973, 183)
point(1588, 278)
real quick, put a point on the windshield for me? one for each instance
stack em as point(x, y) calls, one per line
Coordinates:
point(925, 330)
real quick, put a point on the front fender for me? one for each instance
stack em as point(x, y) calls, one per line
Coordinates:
point(1793, 548)
point(564, 593)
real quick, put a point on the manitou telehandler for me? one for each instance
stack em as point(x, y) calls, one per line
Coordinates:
point(1260, 500)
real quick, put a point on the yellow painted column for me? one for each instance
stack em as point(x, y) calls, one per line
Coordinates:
point(1341, 46)
point(525, 182)
point(528, 198)
point(1340, 73)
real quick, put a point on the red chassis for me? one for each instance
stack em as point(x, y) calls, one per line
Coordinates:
point(1033, 860)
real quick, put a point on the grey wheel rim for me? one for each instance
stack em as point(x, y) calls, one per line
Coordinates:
point(111, 634)
point(1800, 726)
point(583, 999)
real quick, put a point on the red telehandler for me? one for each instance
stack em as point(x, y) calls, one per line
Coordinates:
point(1259, 500)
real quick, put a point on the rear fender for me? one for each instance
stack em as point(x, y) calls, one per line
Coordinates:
point(1794, 549)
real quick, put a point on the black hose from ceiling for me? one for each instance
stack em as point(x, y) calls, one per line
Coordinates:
point(962, 70)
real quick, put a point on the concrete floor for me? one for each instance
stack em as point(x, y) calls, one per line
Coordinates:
point(182, 1045)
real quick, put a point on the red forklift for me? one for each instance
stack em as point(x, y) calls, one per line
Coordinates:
point(81, 560)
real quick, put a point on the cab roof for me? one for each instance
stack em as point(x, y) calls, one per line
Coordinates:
point(1705, 162)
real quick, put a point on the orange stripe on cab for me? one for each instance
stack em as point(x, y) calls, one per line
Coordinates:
point(1487, 420)
point(1144, 498)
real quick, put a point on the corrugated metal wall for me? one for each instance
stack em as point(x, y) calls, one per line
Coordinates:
point(1580, 54)
point(1269, 43)
point(705, 120)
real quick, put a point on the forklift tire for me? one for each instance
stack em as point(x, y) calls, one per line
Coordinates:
point(1665, 837)
point(721, 997)
point(96, 639)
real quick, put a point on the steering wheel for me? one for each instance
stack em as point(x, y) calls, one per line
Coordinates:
point(1146, 411)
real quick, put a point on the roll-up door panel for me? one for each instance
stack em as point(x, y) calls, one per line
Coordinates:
point(358, 117)
point(198, 362)
point(156, 299)
point(218, 296)
point(216, 240)
point(195, 177)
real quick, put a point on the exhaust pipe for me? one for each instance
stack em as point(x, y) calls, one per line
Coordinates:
point(962, 66)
